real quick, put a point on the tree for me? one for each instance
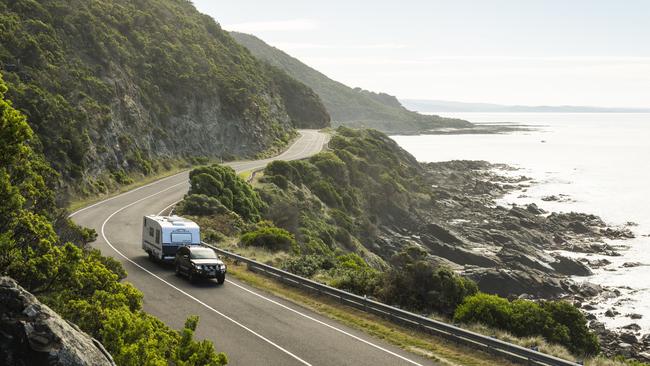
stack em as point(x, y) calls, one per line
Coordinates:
point(266, 235)
point(222, 184)
point(415, 282)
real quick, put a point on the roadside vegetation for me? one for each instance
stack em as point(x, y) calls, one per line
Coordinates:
point(435, 348)
point(49, 256)
point(322, 214)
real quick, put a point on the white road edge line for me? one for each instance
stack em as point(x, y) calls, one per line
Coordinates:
point(178, 289)
point(163, 210)
point(125, 193)
point(325, 324)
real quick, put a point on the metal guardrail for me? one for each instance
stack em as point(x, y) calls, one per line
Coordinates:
point(253, 174)
point(406, 318)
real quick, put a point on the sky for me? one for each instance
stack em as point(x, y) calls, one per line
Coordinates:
point(530, 52)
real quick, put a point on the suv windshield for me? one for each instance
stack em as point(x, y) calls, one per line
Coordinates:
point(203, 254)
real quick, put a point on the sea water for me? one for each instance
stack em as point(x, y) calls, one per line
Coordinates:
point(600, 161)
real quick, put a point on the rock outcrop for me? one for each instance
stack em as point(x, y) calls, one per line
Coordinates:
point(32, 334)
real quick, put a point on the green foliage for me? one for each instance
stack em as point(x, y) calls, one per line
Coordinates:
point(77, 282)
point(352, 273)
point(83, 70)
point(201, 204)
point(268, 236)
point(416, 283)
point(305, 265)
point(581, 339)
point(217, 184)
point(192, 353)
point(557, 321)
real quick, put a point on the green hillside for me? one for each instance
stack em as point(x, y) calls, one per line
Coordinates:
point(347, 106)
point(117, 87)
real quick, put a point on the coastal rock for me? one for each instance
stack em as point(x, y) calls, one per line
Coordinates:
point(579, 228)
point(32, 334)
point(631, 264)
point(570, 267)
point(644, 356)
point(610, 313)
point(507, 282)
point(628, 338)
point(621, 233)
point(625, 349)
point(557, 198)
point(597, 263)
point(532, 208)
point(588, 289)
point(457, 254)
point(633, 327)
point(635, 316)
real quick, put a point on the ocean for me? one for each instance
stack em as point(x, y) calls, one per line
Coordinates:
point(599, 161)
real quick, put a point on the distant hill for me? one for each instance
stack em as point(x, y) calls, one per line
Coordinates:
point(437, 106)
point(353, 107)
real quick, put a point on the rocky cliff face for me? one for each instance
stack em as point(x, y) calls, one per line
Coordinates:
point(118, 87)
point(33, 334)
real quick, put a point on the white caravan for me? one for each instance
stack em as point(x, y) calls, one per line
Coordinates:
point(163, 235)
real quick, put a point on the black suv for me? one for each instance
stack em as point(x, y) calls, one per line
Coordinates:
point(197, 261)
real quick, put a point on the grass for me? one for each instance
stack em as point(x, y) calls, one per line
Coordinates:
point(262, 255)
point(78, 203)
point(245, 174)
point(527, 342)
point(425, 345)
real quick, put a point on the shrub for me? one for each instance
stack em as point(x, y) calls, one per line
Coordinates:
point(327, 193)
point(416, 283)
point(331, 166)
point(557, 321)
point(581, 339)
point(222, 184)
point(305, 266)
point(201, 204)
point(490, 310)
point(270, 237)
point(351, 273)
point(284, 169)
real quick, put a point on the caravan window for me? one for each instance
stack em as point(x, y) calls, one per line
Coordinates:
point(150, 231)
point(182, 238)
point(157, 236)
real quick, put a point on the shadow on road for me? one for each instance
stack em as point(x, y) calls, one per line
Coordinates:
point(167, 269)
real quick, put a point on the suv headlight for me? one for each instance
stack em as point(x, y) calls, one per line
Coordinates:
point(222, 267)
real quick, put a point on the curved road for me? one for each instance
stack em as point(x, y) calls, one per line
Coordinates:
point(251, 327)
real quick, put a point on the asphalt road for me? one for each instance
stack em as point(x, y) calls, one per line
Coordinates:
point(252, 327)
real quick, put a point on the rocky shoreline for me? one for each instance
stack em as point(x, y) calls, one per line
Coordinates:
point(519, 251)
